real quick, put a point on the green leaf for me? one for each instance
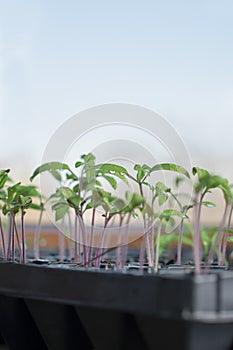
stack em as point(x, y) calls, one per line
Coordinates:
point(208, 204)
point(227, 230)
point(3, 195)
point(56, 175)
point(5, 209)
point(24, 201)
point(201, 173)
point(106, 200)
point(50, 167)
point(36, 206)
point(97, 197)
point(88, 158)
point(170, 167)
point(61, 209)
point(151, 187)
point(118, 204)
point(74, 202)
point(89, 166)
point(11, 191)
point(211, 181)
point(170, 223)
point(28, 191)
point(122, 177)
point(227, 192)
point(167, 213)
point(76, 188)
point(108, 168)
point(66, 192)
point(135, 215)
point(187, 207)
point(111, 180)
point(140, 172)
point(3, 180)
point(98, 183)
point(5, 171)
point(146, 168)
point(78, 164)
point(133, 200)
point(136, 200)
point(89, 206)
point(71, 176)
point(162, 192)
point(87, 185)
point(3, 177)
point(113, 169)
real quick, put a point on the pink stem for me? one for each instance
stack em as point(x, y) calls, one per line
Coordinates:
point(142, 252)
point(16, 233)
point(3, 240)
point(23, 237)
point(197, 236)
point(100, 248)
point(150, 246)
point(221, 235)
point(37, 237)
point(13, 244)
point(92, 236)
point(9, 237)
point(61, 243)
point(224, 249)
point(77, 244)
point(118, 250)
point(83, 232)
point(179, 246)
point(217, 242)
point(70, 241)
point(152, 243)
point(125, 248)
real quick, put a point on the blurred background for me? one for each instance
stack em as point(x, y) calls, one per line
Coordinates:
point(60, 57)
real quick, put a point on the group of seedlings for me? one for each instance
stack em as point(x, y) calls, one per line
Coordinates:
point(90, 198)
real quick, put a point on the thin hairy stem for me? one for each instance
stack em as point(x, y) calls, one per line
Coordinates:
point(125, 248)
point(224, 248)
point(221, 259)
point(83, 232)
point(23, 237)
point(101, 241)
point(92, 235)
point(37, 237)
point(179, 245)
point(118, 249)
point(3, 240)
point(157, 246)
point(9, 232)
point(197, 235)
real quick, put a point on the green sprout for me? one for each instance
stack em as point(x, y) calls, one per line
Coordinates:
point(207, 182)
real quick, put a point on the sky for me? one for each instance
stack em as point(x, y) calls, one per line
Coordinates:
point(60, 57)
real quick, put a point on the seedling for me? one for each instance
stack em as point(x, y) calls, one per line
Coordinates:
point(142, 174)
point(207, 182)
point(83, 193)
point(164, 217)
point(4, 177)
point(16, 200)
point(171, 239)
